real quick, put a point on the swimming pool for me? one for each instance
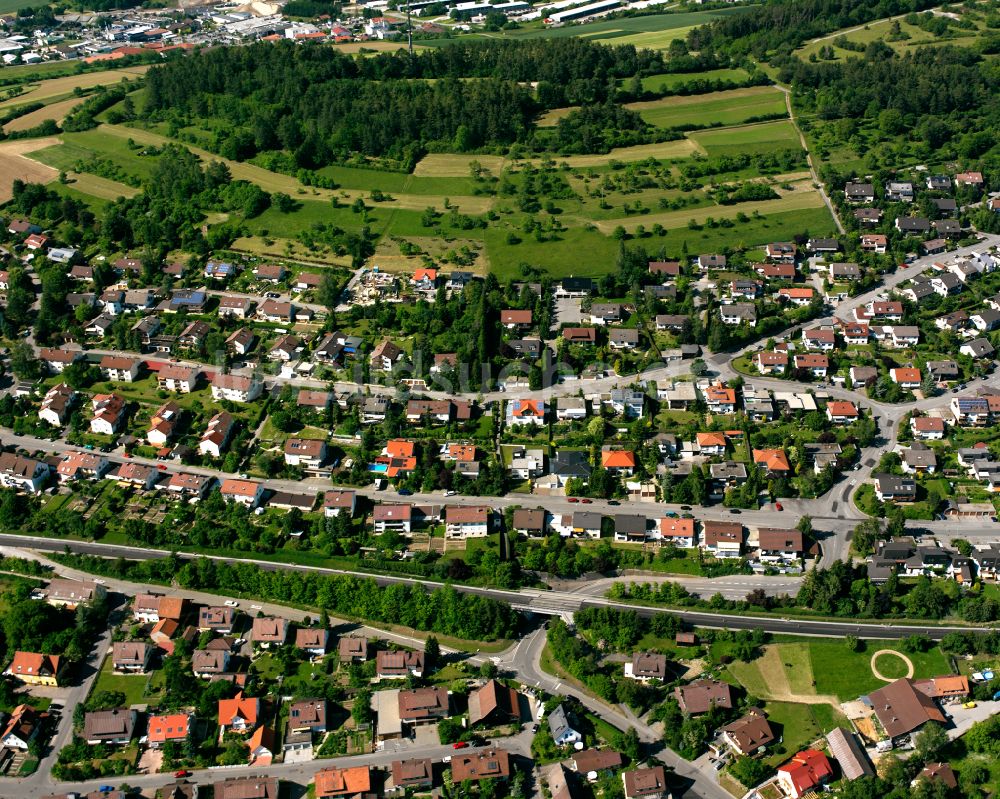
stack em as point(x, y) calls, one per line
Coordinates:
point(381, 468)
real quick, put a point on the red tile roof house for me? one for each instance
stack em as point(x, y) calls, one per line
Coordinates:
point(238, 714)
point(804, 773)
point(618, 460)
point(161, 729)
point(841, 412)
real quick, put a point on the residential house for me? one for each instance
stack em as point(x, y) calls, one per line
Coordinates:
point(842, 412)
point(899, 191)
point(700, 696)
point(207, 664)
point(722, 539)
point(398, 518)
point(23, 474)
point(676, 532)
point(56, 360)
point(750, 734)
point(874, 242)
point(859, 192)
point(217, 618)
point(815, 364)
point(977, 348)
point(891, 488)
point(779, 545)
point(217, 434)
point(352, 649)
point(269, 631)
point(647, 666)
point(163, 424)
point(119, 369)
point(494, 704)
point(34, 668)
point(646, 783)
point(906, 377)
point(131, 657)
point(771, 362)
point(481, 764)
point(337, 501)
point(738, 313)
point(623, 338)
point(240, 714)
point(109, 413)
point(398, 665)
point(927, 428)
point(236, 388)
point(82, 465)
point(563, 733)
point(618, 461)
point(467, 521)
point(520, 412)
point(804, 774)
point(312, 640)
point(287, 348)
point(604, 313)
point(109, 727)
point(309, 453)
point(819, 338)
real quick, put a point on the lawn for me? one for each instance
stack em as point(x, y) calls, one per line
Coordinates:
point(133, 686)
point(798, 725)
point(848, 675)
point(758, 138)
point(666, 82)
point(731, 107)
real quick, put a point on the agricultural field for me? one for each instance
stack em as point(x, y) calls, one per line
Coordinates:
point(731, 107)
point(63, 86)
point(56, 111)
point(762, 137)
point(15, 165)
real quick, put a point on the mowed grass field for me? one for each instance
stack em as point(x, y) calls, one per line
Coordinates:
point(730, 107)
point(760, 137)
point(824, 671)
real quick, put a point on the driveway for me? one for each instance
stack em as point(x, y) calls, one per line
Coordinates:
point(567, 311)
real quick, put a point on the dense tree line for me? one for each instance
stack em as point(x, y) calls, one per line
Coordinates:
point(321, 105)
point(443, 610)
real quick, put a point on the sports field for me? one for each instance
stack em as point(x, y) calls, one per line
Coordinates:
point(716, 108)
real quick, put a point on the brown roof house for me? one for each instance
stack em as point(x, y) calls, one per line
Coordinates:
point(702, 695)
point(483, 764)
point(423, 705)
point(646, 783)
point(353, 649)
point(113, 727)
point(312, 640)
point(902, 709)
point(268, 631)
point(646, 666)
point(131, 657)
point(494, 703)
point(399, 665)
point(749, 734)
point(416, 774)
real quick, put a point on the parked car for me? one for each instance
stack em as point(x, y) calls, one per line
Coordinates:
point(460, 745)
point(405, 492)
point(232, 603)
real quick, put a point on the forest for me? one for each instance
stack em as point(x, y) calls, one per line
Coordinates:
point(321, 105)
